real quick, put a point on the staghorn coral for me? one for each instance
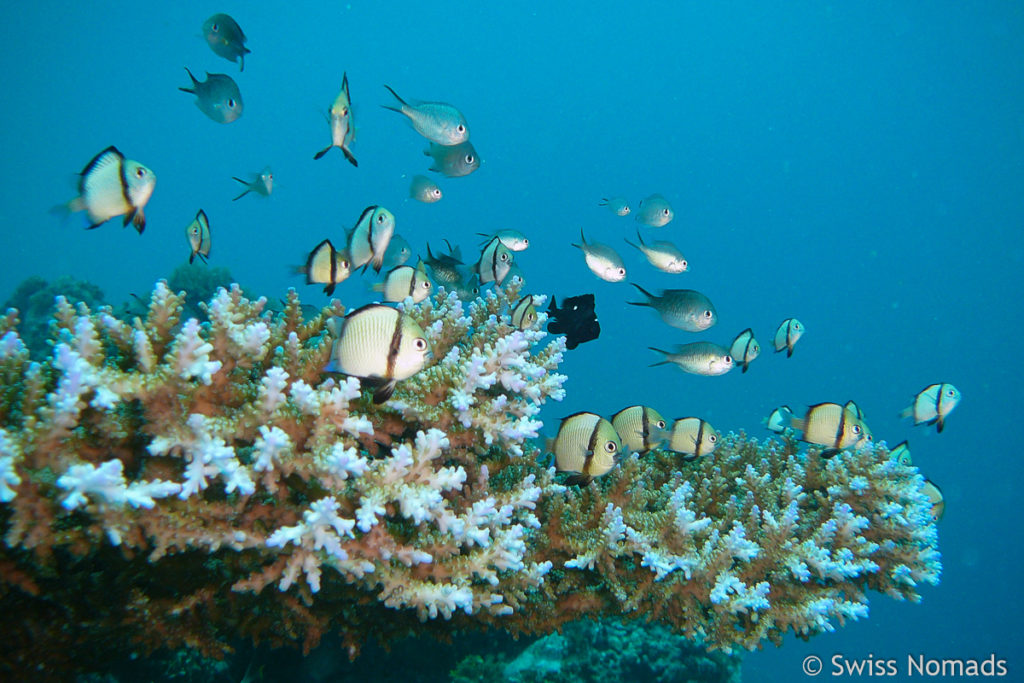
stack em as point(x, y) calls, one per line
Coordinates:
point(182, 483)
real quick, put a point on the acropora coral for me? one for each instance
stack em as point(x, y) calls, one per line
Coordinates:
point(172, 482)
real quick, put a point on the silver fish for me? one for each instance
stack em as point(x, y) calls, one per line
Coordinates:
point(602, 260)
point(425, 190)
point(786, 336)
point(225, 38)
point(436, 121)
point(510, 237)
point(111, 185)
point(698, 358)
point(684, 309)
point(445, 267)
point(495, 262)
point(218, 96)
point(617, 205)
point(368, 240)
point(262, 183)
point(381, 344)
point(744, 348)
point(198, 234)
point(655, 211)
point(932, 404)
point(343, 130)
point(455, 161)
point(662, 254)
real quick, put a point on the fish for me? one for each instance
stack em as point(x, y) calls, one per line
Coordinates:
point(830, 425)
point(495, 262)
point(343, 130)
point(587, 445)
point(640, 428)
point(468, 289)
point(110, 186)
point(405, 281)
point(439, 122)
point(524, 315)
point(901, 453)
point(655, 211)
point(455, 161)
point(938, 503)
point(368, 240)
point(445, 268)
point(381, 344)
point(786, 336)
point(576, 319)
point(225, 38)
point(198, 234)
point(261, 183)
point(397, 253)
point(515, 273)
point(326, 266)
point(693, 437)
point(779, 420)
point(744, 348)
point(859, 414)
point(218, 96)
point(425, 190)
point(932, 405)
point(617, 205)
point(510, 237)
point(662, 254)
point(698, 358)
point(602, 260)
point(684, 309)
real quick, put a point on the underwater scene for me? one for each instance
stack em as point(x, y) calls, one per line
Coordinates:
point(517, 342)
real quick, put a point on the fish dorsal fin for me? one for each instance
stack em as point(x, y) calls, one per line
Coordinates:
point(111, 155)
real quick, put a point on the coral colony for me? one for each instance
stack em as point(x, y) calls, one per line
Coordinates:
point(173, 482)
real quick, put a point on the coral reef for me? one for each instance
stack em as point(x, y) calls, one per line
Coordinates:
point(175, 483)
point(34, 299)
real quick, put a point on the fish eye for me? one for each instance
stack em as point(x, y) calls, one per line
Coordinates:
point(344, 264)
point(664, 212)
point(713, 438)
point(727, 359)
point(139, 172)
point(609, 447)
point(685, 264)
point(469, 158)
point(231, 102)
point(426, 285)
point(436, 192)
point(526, 242)
point(504, 257)
point(420, 344)
point(950, 392)
point(215, 28)
point(460, 128)
point(856, 429)
point(707, 314)
point(622, 271)
point(660, 424)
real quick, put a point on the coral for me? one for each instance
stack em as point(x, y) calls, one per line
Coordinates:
point(182, 483)
point(33, 299)
point(200, 283)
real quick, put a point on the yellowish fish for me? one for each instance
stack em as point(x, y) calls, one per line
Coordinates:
point(405, 281)
point(343, 131)
point(380, 344)
point(325, 266)
point(586, 445)
point(640, 428)
point(524, 315)
point(938, 503)
point(830, 425)
point(932, 405)
point(901, 453)
point(786, 336)
point(198, 234)
point(110, 186)
point(693, 437)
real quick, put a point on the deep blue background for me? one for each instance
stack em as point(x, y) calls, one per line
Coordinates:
point(856, 165)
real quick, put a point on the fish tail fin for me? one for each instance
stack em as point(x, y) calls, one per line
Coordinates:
point(400, 100)
point(639, 237)
point(603, 202)
point(375, 286)
point(63, 211)
point(660, 362)
point(241, 195)
point(322, 152)
point(194, 83)
point(348, 155)
point(247, 188)
point(907, 412)
point(630, 243)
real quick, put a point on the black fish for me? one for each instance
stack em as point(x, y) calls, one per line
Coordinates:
point(575, 319)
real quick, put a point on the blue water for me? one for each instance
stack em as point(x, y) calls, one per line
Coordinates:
point(857, 165)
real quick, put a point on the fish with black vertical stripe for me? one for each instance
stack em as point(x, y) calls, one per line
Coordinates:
point(693, 437)
point(198, 234)
point(640, 428)
point(110, 186)
point(932, 404)
point(586, 445)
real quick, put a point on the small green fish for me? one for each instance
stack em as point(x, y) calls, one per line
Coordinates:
point(684, 309)
point(786, 336)
point(602, 260)
point(468, 289)
point(218, 96)
point(587, 445)
point(455, 161)
point(198, 234)
point(693, 437)
point(901, 453)
point(938, 503)
point(524, 315)
point(445, 267)
point(779, 420)
point(744, 348)
point(325, 266)
point(343, 130)
point(617, 205)
point(381, 344)
point(111, 185)
point(438, 122)
point(932, 404)
point(262, 183)
point(495, 262)
point(368, 240)
point(225, 38)
point(397, 253)
point(425, 190)
point(698, 358)
point(405, 281)
point(662, 254)
point(640, 428)
point(655, 211)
